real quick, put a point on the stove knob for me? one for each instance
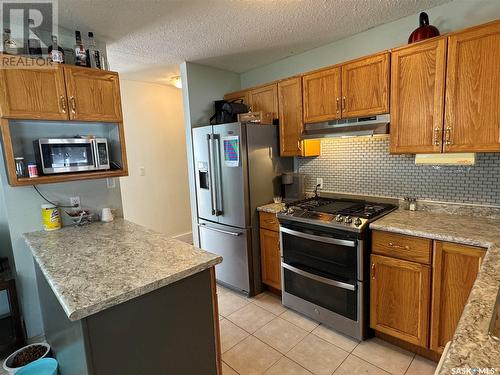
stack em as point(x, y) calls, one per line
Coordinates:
point(290, 211)
point(357, 222)
point(348, 220)
point(339, 218)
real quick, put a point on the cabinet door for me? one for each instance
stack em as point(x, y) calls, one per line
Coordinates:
point(93, 95)
point(322, 94)
point(417, 97)
point(455, 270)
point(472, 119)
point(290, 116)
point(400, 299)
point(30, 93)
point(365, 86)
point(270, 258)
point(264, 99)
point(237, 96)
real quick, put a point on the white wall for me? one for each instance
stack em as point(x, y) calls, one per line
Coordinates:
point(448, 17)
point(154, 135)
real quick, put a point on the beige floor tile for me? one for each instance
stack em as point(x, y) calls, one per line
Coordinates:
point(226, 370)
point(269, 302)
point(230, 302)
point(286, 366)
point(280, 334)
point(317, 355)
point(384, 355)
point(336, 338)
point(299, 320)
point(251, 357)
point(251, 317)
point(421, 366)
point(221, 318)
point(230, 335)
point(354, 365)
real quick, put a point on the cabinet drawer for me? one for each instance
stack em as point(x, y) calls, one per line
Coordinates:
point(400, 246)
point(269, 221)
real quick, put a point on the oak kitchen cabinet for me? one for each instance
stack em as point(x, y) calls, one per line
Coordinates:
point(264, 99)
point(270, 254)
point(417, 92)
point(291, 120)
point(358, 88)
point(237, 96)
point(93, 94)
point(444, 93)
point(405, 303)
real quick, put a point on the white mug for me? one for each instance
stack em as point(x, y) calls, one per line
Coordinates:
point(106, 215)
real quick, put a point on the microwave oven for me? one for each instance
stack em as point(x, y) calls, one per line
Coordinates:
point(64, 155)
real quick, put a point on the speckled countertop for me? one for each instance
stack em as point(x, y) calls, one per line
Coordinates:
point(272, 208)
point(471, 346)
point(94, 267)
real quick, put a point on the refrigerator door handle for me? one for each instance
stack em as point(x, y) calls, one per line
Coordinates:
point(218, 210)
point(210, 170)
point(236, 234)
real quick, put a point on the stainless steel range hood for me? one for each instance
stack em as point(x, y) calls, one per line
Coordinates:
point(348, 127)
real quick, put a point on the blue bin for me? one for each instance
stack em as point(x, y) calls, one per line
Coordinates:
point(44, 366)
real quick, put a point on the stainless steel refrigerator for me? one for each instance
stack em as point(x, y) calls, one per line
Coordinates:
point(237, 168)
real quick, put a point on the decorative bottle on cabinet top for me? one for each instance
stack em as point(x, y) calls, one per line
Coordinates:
point(93, 54)
point(80, 53)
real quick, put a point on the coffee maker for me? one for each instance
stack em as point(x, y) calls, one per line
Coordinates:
point(292, 186)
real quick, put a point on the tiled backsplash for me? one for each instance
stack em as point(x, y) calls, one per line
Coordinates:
point(363, 165)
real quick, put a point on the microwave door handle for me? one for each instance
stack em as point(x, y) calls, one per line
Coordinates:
point(219, 210)
point(320, 279)
point(334, 241)
point(210, 170)
point(95, 152)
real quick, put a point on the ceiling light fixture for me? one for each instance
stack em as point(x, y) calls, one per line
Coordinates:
point(176, 81)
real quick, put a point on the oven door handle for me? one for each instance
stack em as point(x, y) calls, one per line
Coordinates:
point(321, 279)
point(312, 237)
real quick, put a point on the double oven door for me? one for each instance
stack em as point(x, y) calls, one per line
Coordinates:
point(322, 276)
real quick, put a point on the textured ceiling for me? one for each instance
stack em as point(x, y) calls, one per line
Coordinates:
point(148, 39)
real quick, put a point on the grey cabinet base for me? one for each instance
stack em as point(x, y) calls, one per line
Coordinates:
point(167, 331)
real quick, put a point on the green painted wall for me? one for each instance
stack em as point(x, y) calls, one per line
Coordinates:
point(448, 17)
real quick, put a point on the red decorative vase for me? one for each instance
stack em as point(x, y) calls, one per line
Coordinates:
point(424, 31)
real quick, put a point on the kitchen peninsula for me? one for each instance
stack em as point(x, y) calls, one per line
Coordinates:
point(118, 298)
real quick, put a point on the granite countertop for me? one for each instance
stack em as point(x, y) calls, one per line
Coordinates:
point(97, 266)
point(471, 346)
point(272, 208)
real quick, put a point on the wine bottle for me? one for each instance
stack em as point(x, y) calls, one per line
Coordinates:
point(93, 54)
point(56, 53)
point(80, 53)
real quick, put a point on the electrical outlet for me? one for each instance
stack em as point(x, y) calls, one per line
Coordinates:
point(111, 183)
point(319, 181)
point(142, 171)
point(74, 201)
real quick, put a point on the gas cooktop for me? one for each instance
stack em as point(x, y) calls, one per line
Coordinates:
point(352, 215)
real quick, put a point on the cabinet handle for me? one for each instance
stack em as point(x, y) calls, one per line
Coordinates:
point(299, 146)
point(436, 137)
point(62, 104)
point(406, 247)
point(343, 103)
point(373, 271)
point(448, 139)
point(338, 104)
point(270, 221)
point(72, 102)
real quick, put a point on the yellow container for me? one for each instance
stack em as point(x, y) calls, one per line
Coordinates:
point(50, 217)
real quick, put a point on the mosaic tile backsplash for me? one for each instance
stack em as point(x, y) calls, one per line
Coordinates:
point(363, 165)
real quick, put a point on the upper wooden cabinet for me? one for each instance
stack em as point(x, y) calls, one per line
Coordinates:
point(472, 120)
point(322, 95)
point(237, 96)
point(264, 99)
point(93, 95)
point(365, 86)
point(400, 299)
point(455, 270)
point(33, 93)
point(417, 97)
point(290, 119)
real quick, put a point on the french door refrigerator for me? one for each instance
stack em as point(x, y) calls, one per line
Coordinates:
point(237, 168)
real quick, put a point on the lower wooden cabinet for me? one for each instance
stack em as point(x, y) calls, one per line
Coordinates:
point(455, 270)
point(409, 305)
point(400, 299)
point(270, 258)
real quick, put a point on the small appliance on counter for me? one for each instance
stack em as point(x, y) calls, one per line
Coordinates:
point(65, 155)
point(293, 186)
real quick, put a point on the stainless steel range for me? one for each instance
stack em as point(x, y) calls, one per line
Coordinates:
point(325, 260)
